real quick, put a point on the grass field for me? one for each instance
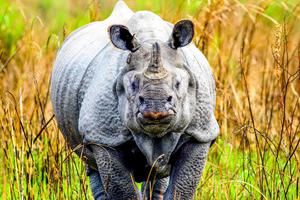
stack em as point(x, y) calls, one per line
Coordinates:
point(253, 48)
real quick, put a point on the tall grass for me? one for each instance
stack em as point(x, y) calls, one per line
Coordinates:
point(254, 51)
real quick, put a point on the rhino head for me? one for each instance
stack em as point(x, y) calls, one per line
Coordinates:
point(155, 90)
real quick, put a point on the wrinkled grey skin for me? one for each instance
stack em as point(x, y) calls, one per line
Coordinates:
point(136, 99)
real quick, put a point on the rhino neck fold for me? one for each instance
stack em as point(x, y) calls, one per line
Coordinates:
point(157, 150)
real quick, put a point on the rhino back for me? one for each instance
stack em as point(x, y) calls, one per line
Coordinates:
point(76, 63)
point(99, 118)
point(86, 68)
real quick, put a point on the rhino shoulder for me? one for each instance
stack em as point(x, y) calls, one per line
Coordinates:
point(99, 119)
point(203, 126)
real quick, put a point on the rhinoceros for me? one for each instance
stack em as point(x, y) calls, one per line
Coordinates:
point(135, 99)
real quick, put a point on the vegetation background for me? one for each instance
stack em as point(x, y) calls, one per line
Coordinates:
point(254, 50)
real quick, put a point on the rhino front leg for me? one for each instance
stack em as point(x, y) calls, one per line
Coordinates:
point(114, 176)
point(187, 169)
point(157, 191)
point(96, 184)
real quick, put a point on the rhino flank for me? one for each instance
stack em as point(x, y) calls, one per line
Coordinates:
point(132, 94)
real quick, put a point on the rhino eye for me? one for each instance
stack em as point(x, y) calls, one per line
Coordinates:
point(177, 84)
point(134, 85)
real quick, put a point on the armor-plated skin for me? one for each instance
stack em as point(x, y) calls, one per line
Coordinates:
point(133, 95)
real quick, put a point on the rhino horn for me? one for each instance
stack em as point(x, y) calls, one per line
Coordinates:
point(155, 69)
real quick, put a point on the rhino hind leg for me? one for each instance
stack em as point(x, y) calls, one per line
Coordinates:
point(113, 177)
point(157, 191)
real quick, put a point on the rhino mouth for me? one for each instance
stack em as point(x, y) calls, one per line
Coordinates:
point(147, 122)
point(167, 119)
point(153, 125)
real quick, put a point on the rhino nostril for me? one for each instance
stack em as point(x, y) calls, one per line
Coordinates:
point(141, 99)
point(169, 99)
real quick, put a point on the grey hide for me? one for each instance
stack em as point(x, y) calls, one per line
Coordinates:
point(91, 117)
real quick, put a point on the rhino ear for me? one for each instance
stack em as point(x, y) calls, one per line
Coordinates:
point(122, 38)
point(182, 35)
